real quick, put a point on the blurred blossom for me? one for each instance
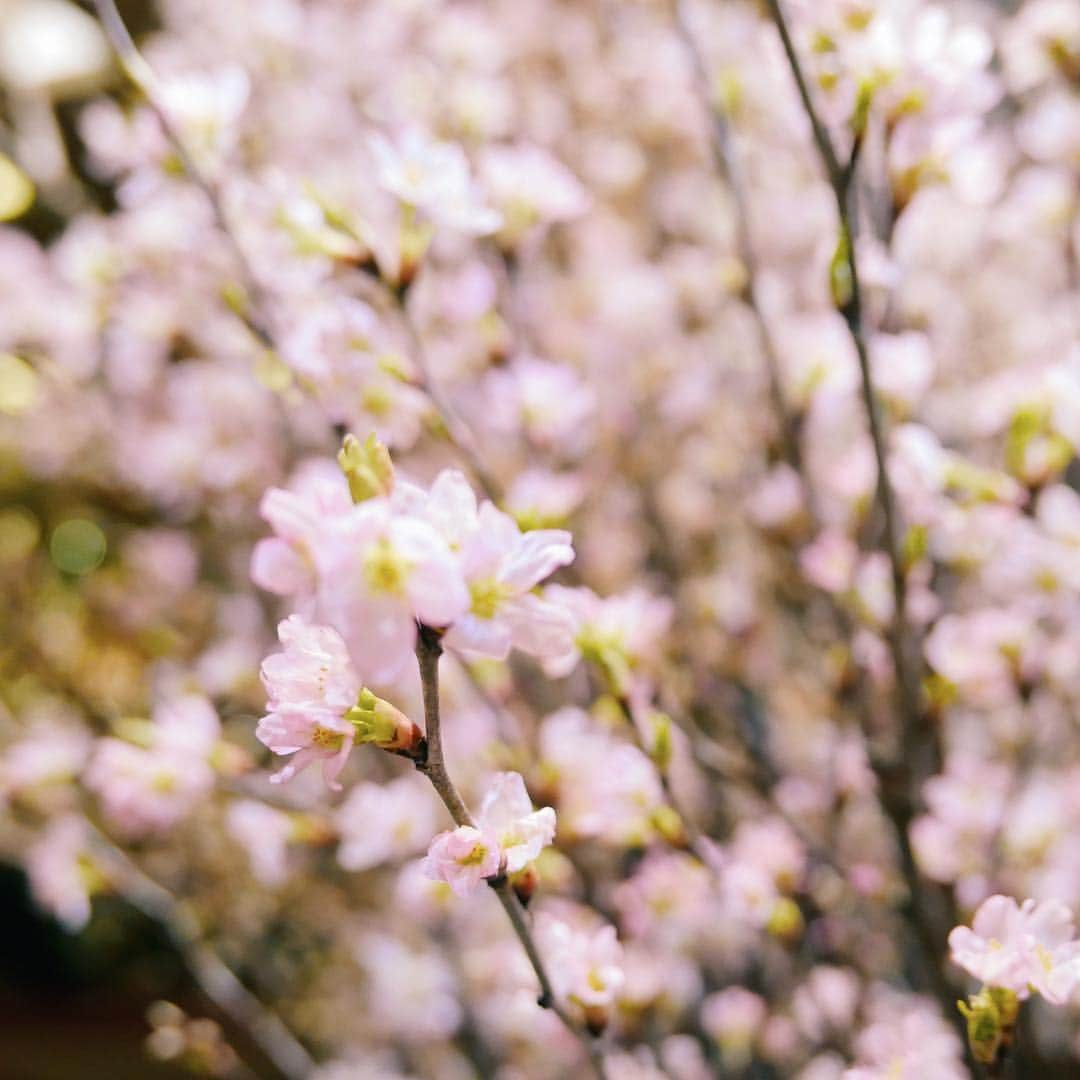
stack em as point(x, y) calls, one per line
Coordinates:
point(737, 524)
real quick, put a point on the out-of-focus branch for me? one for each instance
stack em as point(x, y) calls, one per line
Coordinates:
point(822, 140)
point(253, 315)
point(428, 651)
point(459, 434)
point(840, 180)
point(920, 753)
point(142, 76)
point(214, 977)
point(727, 164)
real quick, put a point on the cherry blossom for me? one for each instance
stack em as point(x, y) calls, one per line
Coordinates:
point(311, 687)
point(1021, 947)
point(507, 836)
point(463, 858)
point(380, 572)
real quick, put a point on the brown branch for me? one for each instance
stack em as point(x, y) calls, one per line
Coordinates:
point(428, 651)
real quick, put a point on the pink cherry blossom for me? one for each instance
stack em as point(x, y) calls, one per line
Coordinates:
point(586, 963)
point(463, 858)
point(906, 1038)
point(285, 563)
point(501, 565)
point(530, 188)
point(433, 177)
point(379, 572)
point(508, 835)
point(382, 822)
point(829, 562)
point(1021, 946)
point(507, 814)
point(61, 871)
point(152, 781)
point(264, 832)
point(310, 686)
point(620, 631)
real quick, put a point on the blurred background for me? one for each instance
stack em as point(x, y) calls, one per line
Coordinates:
point(73, 567)
point(70, 1005)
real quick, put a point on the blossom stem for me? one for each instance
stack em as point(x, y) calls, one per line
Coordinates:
point(694, 837)
point(428, 651)
point(139, 72)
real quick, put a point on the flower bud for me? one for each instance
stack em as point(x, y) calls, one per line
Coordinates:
point(377, 721)
point(660, 751)
point(312, 829)
point(524, 883)
point(596, 1019)
point(367, 467)
point(785, 920)
point(608, 655)
point(991, 1020)
point(667, 822)
point(92, 875)
point(229, 759)
point(840, 284)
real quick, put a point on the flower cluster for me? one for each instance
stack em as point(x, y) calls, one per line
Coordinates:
point(507, 836)
point(374, 569)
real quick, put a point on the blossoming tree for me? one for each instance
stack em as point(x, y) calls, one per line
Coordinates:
point(652, 428)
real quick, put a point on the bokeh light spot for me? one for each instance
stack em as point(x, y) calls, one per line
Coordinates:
point(19, 534)
point(16, 190)
point(77, 546)
point(18, 385)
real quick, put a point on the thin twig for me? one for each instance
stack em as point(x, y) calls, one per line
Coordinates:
point(459, 434)
point(142, 76)
point(894, 778)
point(821, 134)
point(920, 753)
point(841, 181)
point(428, 651)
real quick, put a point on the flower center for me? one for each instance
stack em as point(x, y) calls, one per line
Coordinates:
point(326, 738)
point(164, 783)
point(487, 597)
point(475, 857)
point(1045, 959)
point(385, 570)
point(377, 400)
